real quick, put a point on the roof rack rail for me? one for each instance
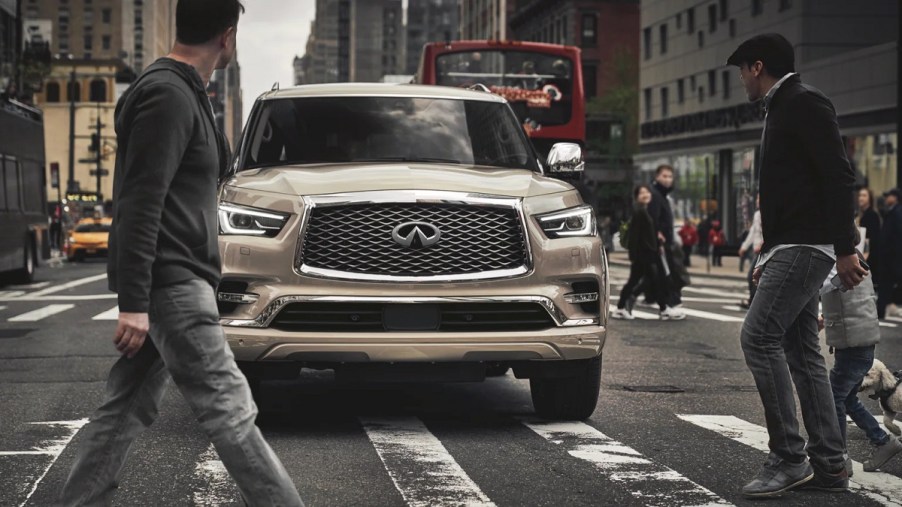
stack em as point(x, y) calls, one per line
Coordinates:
point(275, 86)
point(479, 87)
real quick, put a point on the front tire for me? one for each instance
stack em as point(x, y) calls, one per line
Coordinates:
point(568, 398)
point(25, 274)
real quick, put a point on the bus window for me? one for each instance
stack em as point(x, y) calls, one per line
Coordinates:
point(2, 184)
point(539, 87)
point(11, 180)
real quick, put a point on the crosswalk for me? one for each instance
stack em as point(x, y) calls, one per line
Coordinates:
point(425, 473)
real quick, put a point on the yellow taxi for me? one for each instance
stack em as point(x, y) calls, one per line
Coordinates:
point(89, 237)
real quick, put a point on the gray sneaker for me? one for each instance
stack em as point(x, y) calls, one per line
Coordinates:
point(882, 454)
point(777, 477)
point(848, 465)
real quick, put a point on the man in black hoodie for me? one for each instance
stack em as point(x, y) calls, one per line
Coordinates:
point(164, 264)
point(807, 210)
point(662, 214)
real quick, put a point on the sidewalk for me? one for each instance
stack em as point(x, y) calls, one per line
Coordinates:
point(729, 270)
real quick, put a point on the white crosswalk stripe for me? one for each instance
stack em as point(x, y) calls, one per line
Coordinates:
point(41, 313)
point(624, 465)
point(11, 294)
point(711, 316)
point(886, 489)
point(111, 314)
point(419, 465)
point(2, 308)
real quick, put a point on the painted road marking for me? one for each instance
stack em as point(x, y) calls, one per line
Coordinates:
point(884, 488)
point(68, 285)
point(219, 488)
point(888, 324)
point(41, 313)
point(11, 294)
point(711, 315)
point(2, 308)
point(30, 286)
point(111, 314)
point(718, 293)
point(419, 465)
point(52, 448)
point(734, 308)
point(648, 482)
point(639, 314)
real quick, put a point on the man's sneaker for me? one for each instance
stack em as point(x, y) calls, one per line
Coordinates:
point(622, 314)
point(836, 482)
point(849, 465)
point(882, 454)
point(671, 313)
point(777, 477)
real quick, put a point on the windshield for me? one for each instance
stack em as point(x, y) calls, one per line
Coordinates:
point(388, 129)
point(538, 86)
point(93, 228)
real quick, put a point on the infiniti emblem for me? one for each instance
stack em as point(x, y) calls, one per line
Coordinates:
point(416, 234)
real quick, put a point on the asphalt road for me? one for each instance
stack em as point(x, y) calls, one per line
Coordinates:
point(444, 444)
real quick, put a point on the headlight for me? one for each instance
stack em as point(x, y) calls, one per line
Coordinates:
point(241, 220)
point(578, 221)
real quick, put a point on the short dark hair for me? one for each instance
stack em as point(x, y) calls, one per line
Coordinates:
point(663, 167)
point(198, 21)
point(771, 49)
point(640, 187)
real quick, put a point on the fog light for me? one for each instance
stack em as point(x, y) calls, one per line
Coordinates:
point(583, 297)
point(239, 298)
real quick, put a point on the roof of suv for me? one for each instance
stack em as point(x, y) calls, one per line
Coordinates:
point(381, 90)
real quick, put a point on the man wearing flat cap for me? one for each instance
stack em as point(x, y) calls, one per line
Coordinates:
point(890, 250)
point(807, 208)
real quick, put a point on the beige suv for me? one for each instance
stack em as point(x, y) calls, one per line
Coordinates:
point(409, 233)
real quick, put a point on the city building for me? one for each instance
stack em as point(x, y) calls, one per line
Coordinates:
point(695, 115)
point(486, 19)
point(429, 21)
point(300, 66)
point(83, 92)
point(354, 40)
point(9, 43)
point(136, 31)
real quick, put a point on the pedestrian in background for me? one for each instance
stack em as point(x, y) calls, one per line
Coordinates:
point(644, 254)
point(662, 216)
point(170, 157)
point(869, 219)
point(807, 208)
point(689, 237)
point(717, 239)
point(890, 253)
point(752, 247)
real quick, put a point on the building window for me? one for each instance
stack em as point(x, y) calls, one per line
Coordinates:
point(64, 44)
point(681, 91)
point(679, 20)
point(107, 15)
point(785, 5)
point(89, 42)
point(757, 7)
point(690, 20)
point(723, 10)
point(701, 38)
point(665, 99)
point(563, 29)
point(692, 83)
point(52, 92)
point(106, 42)
point(663, 38)
point(701, 94)
point(732, 28)
point(648, 104)
point(73, 91)
point(712, 18)
point(589, 30)
point(98, 90)
point(726, 84)
point(712, 82)
point(590, 80)
point(646, 38)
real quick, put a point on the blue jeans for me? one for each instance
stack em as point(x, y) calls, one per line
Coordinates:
point(850, 367)
point(780, 342)
point(185, 343)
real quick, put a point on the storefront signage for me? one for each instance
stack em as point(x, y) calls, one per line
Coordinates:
point(726, 117)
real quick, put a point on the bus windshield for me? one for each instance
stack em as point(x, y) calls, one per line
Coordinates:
point(538, 86)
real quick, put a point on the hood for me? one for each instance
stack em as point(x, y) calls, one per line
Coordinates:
point(188, 72)
point(322, 179)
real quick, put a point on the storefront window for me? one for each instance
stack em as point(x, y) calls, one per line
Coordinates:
point(744, 188)
point(873, 158)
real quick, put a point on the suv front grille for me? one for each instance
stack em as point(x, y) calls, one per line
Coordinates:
point(358, 239)
point(449, 317)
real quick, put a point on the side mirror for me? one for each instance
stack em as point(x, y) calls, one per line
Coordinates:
point(566, 158)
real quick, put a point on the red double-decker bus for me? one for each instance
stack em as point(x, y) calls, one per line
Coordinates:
point(542, 82)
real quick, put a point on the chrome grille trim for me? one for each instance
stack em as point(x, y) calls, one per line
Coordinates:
point(412, 197)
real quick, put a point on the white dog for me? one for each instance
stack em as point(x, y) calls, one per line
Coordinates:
point(886, 388)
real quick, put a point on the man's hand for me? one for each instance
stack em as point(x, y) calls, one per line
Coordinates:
point(820, 323)
point(850, 271)
point(758, 249)
point(661, 237)
point(756, 276)
point(130, 333)
point(742, 252)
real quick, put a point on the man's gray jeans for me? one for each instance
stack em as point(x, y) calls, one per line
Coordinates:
point(781, 346)
point(185, 342)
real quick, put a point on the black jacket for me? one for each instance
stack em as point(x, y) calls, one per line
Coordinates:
point(891, 245)
point(642, 242)
point(806, 183)
point(169, 158)
point(660, 211)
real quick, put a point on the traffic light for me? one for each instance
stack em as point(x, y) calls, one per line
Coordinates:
point(95, 142)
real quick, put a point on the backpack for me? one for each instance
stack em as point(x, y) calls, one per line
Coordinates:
point(624, 234)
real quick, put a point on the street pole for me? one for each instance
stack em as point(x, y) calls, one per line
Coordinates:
point(70, 184)
point(99, 151)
